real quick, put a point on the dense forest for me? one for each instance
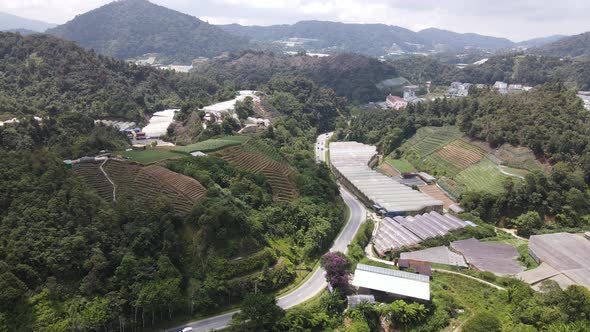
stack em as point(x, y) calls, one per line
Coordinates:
point(511, 68)
point(74, 261)
point(131, 28)
point(349, 75)
point(43, 75)
point(550, 120)
point(573, 46)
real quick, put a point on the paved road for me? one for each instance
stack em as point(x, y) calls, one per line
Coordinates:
point(320, 146)
point(312, 286)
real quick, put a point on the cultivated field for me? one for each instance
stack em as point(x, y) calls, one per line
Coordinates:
point(213, 144)
point(401, 166)
point(460, 154)
point(280, 176)
point(433, 191)
point(427, 140)
point(144, 182)
point(483, 176)
point(149, 155)
point(461, 164)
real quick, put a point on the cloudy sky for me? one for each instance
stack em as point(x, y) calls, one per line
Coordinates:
point(513, 19)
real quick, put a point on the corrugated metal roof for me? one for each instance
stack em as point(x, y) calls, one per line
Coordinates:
point(351, 160)
point(392, 281)
point(392, 273)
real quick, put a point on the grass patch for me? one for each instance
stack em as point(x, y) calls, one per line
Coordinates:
point(212, 144)
point(401, 165)
point(149, 156)
point(483, 176)
point(469, 295)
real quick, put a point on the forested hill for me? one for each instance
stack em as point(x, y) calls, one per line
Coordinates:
point(42, 74)
point(512, 68)
point(349, 75)
point(574, 46)
point(130, 28)
point(454, 40)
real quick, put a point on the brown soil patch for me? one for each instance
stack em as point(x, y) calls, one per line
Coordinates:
point(389, 170)
point(433, 191)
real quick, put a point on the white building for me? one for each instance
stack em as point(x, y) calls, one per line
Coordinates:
point(394, 282)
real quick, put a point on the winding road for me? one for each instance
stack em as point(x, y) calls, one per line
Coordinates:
point(312, 286)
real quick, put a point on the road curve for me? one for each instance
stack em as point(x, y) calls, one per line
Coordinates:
point(312, 286)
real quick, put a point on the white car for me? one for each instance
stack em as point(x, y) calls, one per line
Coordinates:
point(187, 329)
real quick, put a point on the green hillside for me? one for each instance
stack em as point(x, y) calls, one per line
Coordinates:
point(131, 28)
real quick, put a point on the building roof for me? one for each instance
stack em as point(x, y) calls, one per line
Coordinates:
point(392, 281)
point(440, 255)
point(395, 99)
point(351, 160)
point(566, 253)
point(397, 232)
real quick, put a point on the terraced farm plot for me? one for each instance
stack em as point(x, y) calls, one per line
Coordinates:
point(483, 176)
point(460, 153)
point(427, 140)
point(213, 144)
point(143, 182)
point(280, 176)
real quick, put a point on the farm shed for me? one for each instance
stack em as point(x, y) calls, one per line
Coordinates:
point(350, 162)
point(498, 258)
point(397, 232)
point(566, 253)
point(394, 282)
point(426, 177)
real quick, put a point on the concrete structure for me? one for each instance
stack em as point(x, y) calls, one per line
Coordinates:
point(585, 96)
point(350, 162)
point(354, 300)
point(458, 90)
point(501, 87)
point(566, 253)
point(395, 102)
point(399, 283)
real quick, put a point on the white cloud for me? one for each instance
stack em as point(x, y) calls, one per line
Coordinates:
point(515, 19)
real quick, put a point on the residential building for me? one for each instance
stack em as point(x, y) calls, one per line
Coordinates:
point(395, 102)
point(458, 90)
point(502, 87)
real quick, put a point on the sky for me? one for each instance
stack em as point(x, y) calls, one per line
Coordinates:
point(513, 19)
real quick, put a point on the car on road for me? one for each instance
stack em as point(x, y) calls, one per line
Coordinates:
point(187, 329)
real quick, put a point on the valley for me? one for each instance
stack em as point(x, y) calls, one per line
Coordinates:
point(255, 166)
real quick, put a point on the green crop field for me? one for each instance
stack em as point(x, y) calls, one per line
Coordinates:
point(430, 139)
point(149, 156)
point(483, 176)
point(401, 165)
point(212, 144)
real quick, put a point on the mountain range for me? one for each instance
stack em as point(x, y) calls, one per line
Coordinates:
point(130, 28)
point(9, 22)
